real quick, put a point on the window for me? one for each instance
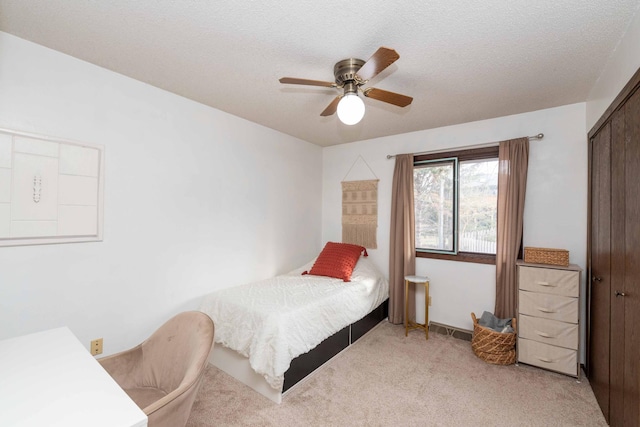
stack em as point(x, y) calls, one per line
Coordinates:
point(456, 199)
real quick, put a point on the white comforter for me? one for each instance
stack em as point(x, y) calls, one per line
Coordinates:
point(275, 320)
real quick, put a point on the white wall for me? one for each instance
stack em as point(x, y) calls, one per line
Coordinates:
point(622, 64)
point(555, 211)
point(195, 200)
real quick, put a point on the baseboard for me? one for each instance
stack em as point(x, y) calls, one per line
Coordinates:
point(451, 331)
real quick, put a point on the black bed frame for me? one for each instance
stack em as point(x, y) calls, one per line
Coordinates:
point(306, 363)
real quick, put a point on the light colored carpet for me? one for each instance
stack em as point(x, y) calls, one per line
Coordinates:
point(385, 379)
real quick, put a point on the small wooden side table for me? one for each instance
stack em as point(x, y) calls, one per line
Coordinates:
point(410, 324)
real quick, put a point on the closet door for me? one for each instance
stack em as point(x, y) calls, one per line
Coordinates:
point(618, 265)
point(614, 311)
point(626, 340)
point(600, 288)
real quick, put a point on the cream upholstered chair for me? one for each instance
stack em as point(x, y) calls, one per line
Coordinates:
point(163, 374)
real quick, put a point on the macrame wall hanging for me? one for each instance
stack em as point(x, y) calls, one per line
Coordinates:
point(360, 210)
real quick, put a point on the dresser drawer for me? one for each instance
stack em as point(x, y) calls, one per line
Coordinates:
point(548, 356)
point(549, 281)
point(548, 331)
point(548, 306)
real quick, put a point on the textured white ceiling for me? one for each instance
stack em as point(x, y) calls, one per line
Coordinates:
point(461, 60)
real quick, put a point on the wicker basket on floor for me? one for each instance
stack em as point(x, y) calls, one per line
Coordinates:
point(494, 347)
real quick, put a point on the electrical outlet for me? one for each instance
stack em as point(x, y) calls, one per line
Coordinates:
point(96, 346)
point(429, 301)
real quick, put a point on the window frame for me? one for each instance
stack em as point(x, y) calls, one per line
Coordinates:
point(490, 152)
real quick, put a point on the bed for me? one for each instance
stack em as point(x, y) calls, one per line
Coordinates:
point(274, 332)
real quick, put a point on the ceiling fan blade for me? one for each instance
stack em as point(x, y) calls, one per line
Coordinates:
point(294, 81)
point(331, 108)
point(386, 96)
point(378, 62)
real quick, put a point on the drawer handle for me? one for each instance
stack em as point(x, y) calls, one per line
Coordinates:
point(544, 334)
point(546, 310)
point(551, 285)
point(544, 359)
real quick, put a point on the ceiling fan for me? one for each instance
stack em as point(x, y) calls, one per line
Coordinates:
point(350, 75)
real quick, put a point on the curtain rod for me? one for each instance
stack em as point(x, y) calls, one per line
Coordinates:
point(491, 144)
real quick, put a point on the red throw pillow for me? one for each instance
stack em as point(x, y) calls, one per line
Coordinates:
point(337, 260)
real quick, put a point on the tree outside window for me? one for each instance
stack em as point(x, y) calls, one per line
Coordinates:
point(434, 197)
point(455, 198)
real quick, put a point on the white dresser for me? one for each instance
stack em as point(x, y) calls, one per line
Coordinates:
point(549, 317)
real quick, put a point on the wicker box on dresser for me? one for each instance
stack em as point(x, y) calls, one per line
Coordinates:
point(549, 317)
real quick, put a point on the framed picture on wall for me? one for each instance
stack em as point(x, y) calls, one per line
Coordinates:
point(51, 190)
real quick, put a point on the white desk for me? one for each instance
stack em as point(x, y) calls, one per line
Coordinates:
point(50, 379)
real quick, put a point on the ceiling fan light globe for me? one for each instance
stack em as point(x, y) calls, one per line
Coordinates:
point(350, 109)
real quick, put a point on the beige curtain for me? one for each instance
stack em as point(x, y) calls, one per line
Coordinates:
point(402, 258)
point(512, 182)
